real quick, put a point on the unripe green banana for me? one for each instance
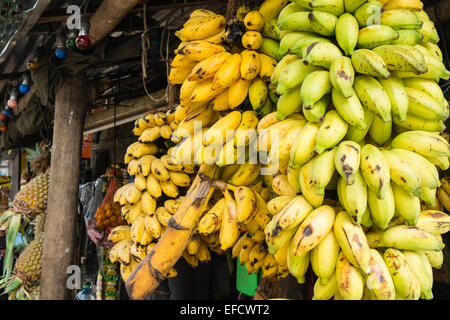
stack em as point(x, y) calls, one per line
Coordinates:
point(342, 75)
point(415, 123)
point(421, 268)
point(285, 61)
point(325, 291)
point(315, 85)
point(275, 243)
point(402, 58)
point(424, 106)
point(405, 282)
point(369, 62)
point(408, 37)
point(270, 47)
point(290, 8)
point(335, 7)
point(400, 19)
point(297, 265)
point(322, 23)
point(436, 258)
point(289, 103)
point(382, 210)
point(436, 222)
point(427, 172)
point(379, 280)
point(357, 135)
point(347, 30)
point(380, 131)
point(347, 159)
point(323, 170)
point(402, 173)
point(303, 148)
point(407, 205)
point(405, 237)
point(397, 96)
point(331, 132)
point(293, 75)
point(353, 197)
point(376, 35)
point(288, 41)
point(375, 170)
point(427, 86)
point(323, 258)
point(321, 54)
point(351, 5)
point(427, 144)
point(307, 186)
point(428, 31)
point(372, 95)
point(368, 13)
point(350, 109)
point(316, 113)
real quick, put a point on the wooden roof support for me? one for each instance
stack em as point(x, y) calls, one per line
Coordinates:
point(107, 17)
point(71, 104)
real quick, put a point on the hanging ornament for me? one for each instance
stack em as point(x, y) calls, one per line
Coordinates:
point(83, 40)
point(61, 50)
point(25, 85)
point(12, 102)
point(7, 112)
point(33, 63)
point(71, 40)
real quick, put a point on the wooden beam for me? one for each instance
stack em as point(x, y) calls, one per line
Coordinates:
point(107, 17)
point(71, 103)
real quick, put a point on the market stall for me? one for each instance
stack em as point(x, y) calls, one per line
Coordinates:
point(240, 150)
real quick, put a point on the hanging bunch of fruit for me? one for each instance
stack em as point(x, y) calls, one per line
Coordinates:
point(324, 121)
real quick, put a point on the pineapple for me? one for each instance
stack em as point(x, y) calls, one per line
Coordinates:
point(31, 200)
point(28, 264)
point(39, 224)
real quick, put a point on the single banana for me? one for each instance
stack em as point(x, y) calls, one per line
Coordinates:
point(315, 85)
point(381, 210)
point(408, 37)
point(353, 241)
point(323, 169)
point(334, 7)
point(379, 280)
point(119, 233)
point(368, 62)
point(346, 32)
point(246, 204)
point(353, 197)
point(425, 106)
point(347, 160)
point(307, 185)
point(350, 109)
point(434, 221)
point(397, 94)
point(349, 279)
point(368, 13)
point(206, 69)
point(163, 216)
point(400, 19)
point(245, 175)
point(297, 264)
point(375, 170)
point(424, 143)
point(376, 35)
point(342, 75)
point(372, 95)
point(421, 268)
point(250, 64)
point(321, 54)
point(323, 23)
point(211, 221)
point(404, 237)
point(325, 291)
point(237, 92)
point(199, 50)
point(229, 230)
point(331, 132)
point(405, 282)
point(402, 58)
point(303, 148)
point(323, 258)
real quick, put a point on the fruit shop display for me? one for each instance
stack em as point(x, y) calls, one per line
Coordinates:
point(325, 120)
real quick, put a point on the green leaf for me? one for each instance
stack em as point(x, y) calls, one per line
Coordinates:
point(11, 234)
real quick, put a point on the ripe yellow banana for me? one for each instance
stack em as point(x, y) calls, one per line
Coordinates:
point(349, 279)
point(307, 186)
point(148, 203)
point(119, 233)
point(229, 230)
point(323, 258)
point(199, 50)
point(379, 280)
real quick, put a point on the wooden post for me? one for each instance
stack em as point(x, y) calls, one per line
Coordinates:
point(70, 111)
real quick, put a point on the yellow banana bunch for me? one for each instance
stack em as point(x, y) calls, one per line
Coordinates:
point(199, 28)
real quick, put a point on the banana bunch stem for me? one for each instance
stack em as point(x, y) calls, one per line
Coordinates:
point(147, 276)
